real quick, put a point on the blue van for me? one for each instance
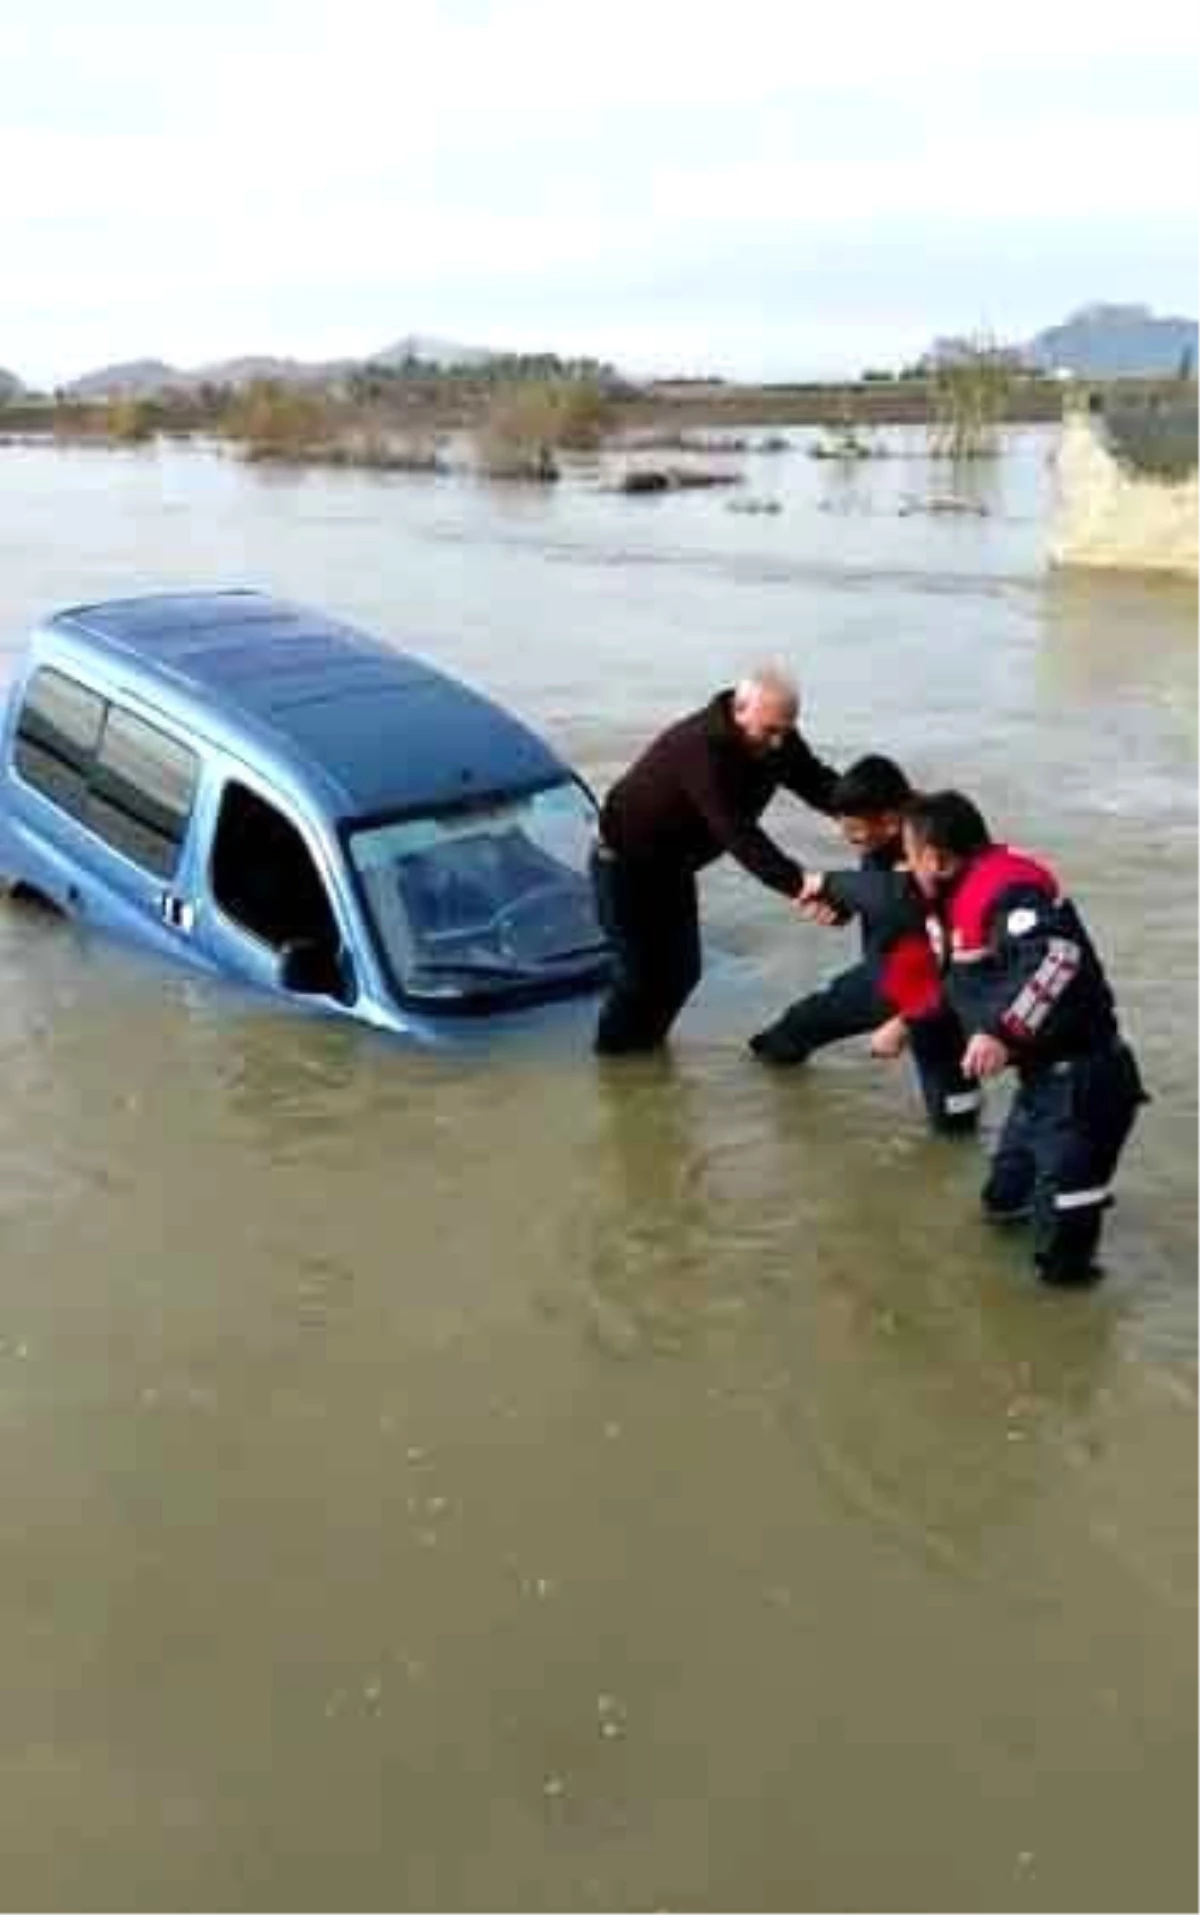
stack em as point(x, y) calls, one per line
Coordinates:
point(273, 796)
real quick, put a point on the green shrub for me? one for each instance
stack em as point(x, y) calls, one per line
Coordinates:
point(275, 421)
point(971, 395)
point(526, 423)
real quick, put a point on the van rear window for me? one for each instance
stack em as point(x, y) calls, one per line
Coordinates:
point(57, 735)
point(123, 778)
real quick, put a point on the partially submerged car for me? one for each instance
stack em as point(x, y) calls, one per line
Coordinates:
point(266, 793)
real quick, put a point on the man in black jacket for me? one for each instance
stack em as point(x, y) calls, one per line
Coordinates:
point(698, 791)
point(868, 802)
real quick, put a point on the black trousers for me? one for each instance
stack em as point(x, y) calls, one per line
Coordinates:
point(1058, 1152)
point(850, 1006)
point(651, 918)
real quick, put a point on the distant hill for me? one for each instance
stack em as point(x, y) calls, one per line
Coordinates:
point(250, 366)
point(10, 386)
point(132, 379)
point(1112, 342)
point(141, 378)
point(426, 350)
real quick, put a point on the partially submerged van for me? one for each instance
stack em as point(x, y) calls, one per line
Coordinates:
point(266, 793)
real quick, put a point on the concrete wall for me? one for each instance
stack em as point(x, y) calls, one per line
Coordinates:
point(1106, 515)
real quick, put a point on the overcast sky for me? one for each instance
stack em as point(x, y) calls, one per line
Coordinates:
point(758, 188)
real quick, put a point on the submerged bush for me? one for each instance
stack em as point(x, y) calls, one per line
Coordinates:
point(525, 425)
point(971, 394)
point(130, 421)
point(275, 421)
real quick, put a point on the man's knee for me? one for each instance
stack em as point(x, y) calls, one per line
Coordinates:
point(845, 1008)
point(789, 1040)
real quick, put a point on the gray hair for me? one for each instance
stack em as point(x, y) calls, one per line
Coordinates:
point(769, 680)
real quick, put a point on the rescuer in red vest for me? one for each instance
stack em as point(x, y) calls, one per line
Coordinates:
point(1030, 992)
point(1021, 973)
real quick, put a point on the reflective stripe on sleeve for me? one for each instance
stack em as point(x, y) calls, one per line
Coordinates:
point(1082, 1199)
point(1035, 1000)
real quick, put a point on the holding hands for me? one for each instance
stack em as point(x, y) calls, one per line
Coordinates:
point(810, 902)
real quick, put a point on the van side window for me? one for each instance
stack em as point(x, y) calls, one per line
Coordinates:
point(263, 874)
point(124, 779)
point(143, 784)
point(57, 734)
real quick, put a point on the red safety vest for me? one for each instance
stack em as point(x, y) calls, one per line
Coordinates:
point(910, 975)
point(994, 871)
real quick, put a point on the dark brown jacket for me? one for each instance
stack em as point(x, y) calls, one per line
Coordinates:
point(699, 790)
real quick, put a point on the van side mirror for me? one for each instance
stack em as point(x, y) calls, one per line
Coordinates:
point(313, 968)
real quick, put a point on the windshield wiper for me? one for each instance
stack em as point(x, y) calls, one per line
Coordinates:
point(469, 967)
point(479, 967)
point(595, 948)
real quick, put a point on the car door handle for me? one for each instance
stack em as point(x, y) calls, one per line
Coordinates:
point(177, 912)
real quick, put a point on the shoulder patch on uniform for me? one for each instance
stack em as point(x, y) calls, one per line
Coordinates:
point(1019, 921)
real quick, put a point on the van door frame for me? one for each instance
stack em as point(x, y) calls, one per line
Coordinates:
point(223, 937)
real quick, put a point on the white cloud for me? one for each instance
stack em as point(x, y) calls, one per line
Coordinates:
point(196, 177)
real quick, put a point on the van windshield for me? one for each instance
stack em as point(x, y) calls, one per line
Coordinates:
point(496, 895)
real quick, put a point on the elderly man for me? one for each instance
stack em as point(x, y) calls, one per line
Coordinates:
point(696, 792)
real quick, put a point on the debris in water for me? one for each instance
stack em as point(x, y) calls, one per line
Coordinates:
point(612, 1719)
point(554, 1786)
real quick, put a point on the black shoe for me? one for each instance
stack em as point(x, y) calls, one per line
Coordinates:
point(769, 1048)
point(1069, 1273)
point(1003, 1215)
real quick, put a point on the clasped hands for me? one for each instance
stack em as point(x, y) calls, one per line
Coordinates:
point(811, 902)
point(985, 1056)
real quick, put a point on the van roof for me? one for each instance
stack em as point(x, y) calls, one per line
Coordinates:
point(388, 731)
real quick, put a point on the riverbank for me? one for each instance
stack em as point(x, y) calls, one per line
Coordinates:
point(1112, 514)
point(438, 404)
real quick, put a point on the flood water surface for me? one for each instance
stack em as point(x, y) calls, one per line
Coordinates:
point(489, 1480)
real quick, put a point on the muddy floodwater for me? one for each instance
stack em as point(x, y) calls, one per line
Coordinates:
point(486, 1480)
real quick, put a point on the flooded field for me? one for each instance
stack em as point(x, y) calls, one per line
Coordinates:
point(497, 1481)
